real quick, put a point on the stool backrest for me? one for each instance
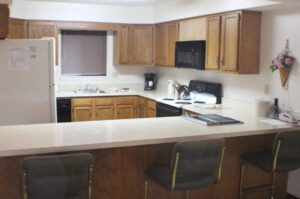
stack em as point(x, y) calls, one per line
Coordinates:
point(59, 177)
point(289, 148)
point(197, 157)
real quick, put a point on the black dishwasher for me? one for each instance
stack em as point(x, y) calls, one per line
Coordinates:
point(165, 110)
point(63, 106)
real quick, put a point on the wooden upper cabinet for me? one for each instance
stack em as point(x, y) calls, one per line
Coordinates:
point(230, 42)
point(166, 36)
point(160, 45)
point(17, 29)
point(141, 41)
point(233, 42)
point(4, 20)
point(134, 45)
point(213, 43)
point(37, 30)
point(123, 44)
point(192, 29)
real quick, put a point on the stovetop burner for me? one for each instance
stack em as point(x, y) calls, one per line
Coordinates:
point(199, 102)
point(183, 102)
point(169, 99)
point(187, 99)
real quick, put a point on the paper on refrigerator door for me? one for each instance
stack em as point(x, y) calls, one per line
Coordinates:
point(18, 59)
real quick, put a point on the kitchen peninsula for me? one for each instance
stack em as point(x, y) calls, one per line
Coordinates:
point(124, 148)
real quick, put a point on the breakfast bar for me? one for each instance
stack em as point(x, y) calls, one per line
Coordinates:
point(124, 148)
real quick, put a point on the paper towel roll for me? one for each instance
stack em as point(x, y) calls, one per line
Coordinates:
point(262, 108)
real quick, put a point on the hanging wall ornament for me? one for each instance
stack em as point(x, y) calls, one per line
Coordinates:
point(283, 62)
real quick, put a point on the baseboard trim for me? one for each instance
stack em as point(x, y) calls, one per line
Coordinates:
point(290, 196)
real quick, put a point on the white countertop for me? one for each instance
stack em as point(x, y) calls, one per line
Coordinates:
point(49, 138)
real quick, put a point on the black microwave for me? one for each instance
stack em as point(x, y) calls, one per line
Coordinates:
point(190, 54)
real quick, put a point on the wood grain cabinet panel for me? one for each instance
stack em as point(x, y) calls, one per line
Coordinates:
point(213, 43)
point(4, 20)
point(141, 39)
point(141, 107)
point(37, 30)
point(134, 45)
point(151, 108)
point(166, 36)
point(192, 29)
point(82, 109)
point(233, 42)
point(104, 108)
point(125, 107)
point(17, 29)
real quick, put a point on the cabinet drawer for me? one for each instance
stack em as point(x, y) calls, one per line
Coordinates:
point(82, 102)
point(125, 100)
point(104, 101)
point(151, 104)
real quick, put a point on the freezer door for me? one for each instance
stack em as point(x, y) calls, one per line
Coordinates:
point(26, 82)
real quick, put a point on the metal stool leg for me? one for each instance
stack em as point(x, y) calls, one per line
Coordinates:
point(273, 184)
point(242, 180)
point(146, 188)
point(188, 194)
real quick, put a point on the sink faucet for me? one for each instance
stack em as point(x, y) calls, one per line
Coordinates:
point(86, 87)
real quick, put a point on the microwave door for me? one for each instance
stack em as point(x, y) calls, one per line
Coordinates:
point(184, 59)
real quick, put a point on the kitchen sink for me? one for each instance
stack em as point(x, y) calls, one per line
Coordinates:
point(89, 91)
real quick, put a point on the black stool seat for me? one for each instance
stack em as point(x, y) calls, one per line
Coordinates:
point(194, 165)
point(283, 157)
point(163, 176)
point(264, 160)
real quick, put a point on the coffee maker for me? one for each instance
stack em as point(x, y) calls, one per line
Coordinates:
point(150, 81)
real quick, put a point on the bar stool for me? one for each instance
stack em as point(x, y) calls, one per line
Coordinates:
point(194, 165)
point(59, 177)
point(284, 157)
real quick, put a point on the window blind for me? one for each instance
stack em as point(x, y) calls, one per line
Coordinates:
point(83, 53)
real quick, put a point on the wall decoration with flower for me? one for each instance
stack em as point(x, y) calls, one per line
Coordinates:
point(283, 62)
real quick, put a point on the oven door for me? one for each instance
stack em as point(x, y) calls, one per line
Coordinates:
point(164, 110)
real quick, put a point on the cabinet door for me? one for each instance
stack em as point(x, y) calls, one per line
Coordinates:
point(141, 38)
point(230, 42)
point(104, 112)
point(192, 29)
point(125, 111)
point(160, 45)
point(82, 109)
point(82, 113)
point(104, 108)
point(4, 20)
point(17, 29)
point(125, 107)
point(37, 30)
point(213, 43)
point(171, 32)
point(123, 47)
point(141, 110)
point(151, 108)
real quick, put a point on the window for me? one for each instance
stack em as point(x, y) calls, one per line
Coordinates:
point(83, 53)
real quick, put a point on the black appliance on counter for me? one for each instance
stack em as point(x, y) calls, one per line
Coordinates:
point(63, 109)
point(190, 54)
point(150, 81)
point(165, 110)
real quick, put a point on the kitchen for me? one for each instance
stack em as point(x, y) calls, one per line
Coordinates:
point(277, 26)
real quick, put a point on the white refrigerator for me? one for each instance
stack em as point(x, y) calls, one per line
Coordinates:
point(27, 87)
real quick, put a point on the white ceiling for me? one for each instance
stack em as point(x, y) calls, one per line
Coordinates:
point(114, 2)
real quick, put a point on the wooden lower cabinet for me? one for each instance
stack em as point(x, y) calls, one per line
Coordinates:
point(108, 108)
point(104, 108)
point(82, 109)
point(125, 107)
point(151, 108)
